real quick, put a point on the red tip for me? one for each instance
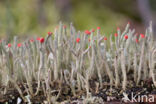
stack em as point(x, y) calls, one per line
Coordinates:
point(137, 40)
point(118, 28)
point(41, 40)
point(87, 32)
point(31, 40)
point(49, 33)
point(142, 35)
point(78, 40)
point(128, 22)
point(126, 36)
point(64, 26)
point(56, 27)
point(38, 38)
point(136, 34)
point(105, 38)
point(98, 28)
point(93, 30)
point(19, 45)
point(9, 45)
point(89, 39)
point(115, 34)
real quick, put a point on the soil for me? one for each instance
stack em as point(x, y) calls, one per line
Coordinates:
point(104, 95)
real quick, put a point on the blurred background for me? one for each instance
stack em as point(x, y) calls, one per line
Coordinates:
point(37, 17)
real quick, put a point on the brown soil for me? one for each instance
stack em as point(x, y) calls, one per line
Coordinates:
point(108, 95)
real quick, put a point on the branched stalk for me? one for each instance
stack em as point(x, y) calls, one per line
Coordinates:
point(124, 83)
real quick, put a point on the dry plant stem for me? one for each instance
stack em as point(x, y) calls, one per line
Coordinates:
point(150, 62)
point(77, 63)
point(153, 62)
point(78, 82)
point(109, 72)
point(129, 63)
point(29, 83)
point(56, 55)
point(18, 88)
point(69, 61)
point(59, 50)
point(44, 90)
point(99, 66)
point(41, 68)
point(99, 74)
point(141, 62)
point(81, 80)
point(27, 90)
point(47, 92)
point(124, 83)
point(92, 61)
point(73, 88)
point(145, 70)
point(47, 89)
point(87, 84)
point(92, 66)
point(104, 60)
point(38, 82)
point(55, 69)
point(41, 58)
point(117, 82)
point(135, 66)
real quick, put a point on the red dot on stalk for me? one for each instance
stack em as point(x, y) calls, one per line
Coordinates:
point(137, 40)
point(118, 28)
point(142, 35)
point(49, 33)
point(115, 34)
point(78, 40)
point(87, 32)
point(56, 27)
point(38, 38)
point(9, 45)
point(105, 38)
point(41, 40)
point(98, 28)
point(64, 26)
point(93, 30)
point(19, 45)
point(136, 34)
point(89, 39)
point(31, 40)
point(126, 36)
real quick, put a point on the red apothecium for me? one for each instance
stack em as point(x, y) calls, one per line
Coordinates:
point(64, 26)
point(115, 34)
point(31, 40)
point(126, 36)
point(38, 38)
point(87, 32)
point(41, 40)
point(9, 45)
point(142, 35)
point(49, 33)
point(19, 45)
point(98, 28)
point(93, 30)
point(137, 40)
point(105, 38)
point(78, 40)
